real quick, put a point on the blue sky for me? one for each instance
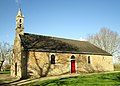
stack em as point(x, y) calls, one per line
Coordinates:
point(73, 19)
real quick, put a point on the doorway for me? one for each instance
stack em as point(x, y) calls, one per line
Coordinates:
point(73, 70)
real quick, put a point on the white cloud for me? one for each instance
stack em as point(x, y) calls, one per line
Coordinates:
point(82, 39)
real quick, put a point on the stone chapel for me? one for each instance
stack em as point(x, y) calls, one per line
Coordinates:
point(39, 56)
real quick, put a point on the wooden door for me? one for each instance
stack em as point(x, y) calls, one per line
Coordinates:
point(73, 70)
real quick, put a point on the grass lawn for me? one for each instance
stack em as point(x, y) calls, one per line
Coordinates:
point(111, 79)
point(5, 72)
point(5, 77)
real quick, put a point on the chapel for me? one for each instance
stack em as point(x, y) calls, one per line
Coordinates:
point(40, 56)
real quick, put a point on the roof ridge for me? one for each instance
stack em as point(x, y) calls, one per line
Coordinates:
point(56, 37)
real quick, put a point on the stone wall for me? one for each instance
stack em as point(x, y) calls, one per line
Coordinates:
point(39, 63)
point(16, 59)
point(102, 63)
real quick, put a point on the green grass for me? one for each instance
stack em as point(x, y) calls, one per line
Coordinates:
point(112, 79)
point(5, 72)
point(5, 77)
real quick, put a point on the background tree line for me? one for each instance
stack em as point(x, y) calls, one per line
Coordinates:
point(107, 40)
point(5, 55)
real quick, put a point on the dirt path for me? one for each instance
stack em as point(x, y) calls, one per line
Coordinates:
point(26, 81)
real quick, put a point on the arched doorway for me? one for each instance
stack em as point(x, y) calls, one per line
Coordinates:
point(73, 66)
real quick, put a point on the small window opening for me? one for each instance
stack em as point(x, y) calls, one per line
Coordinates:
point(52, 59)
point(20, 20)
point(103, 58)
point(88, 59)
point(16, 69)
point(72, 57)
point(20, 25)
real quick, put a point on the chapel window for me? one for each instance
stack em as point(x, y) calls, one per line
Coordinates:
point(88, 59)
point(52, 59)
point(20, 25)
point(103, 58)
point(72, 57)
point(16, 69)
point(20, 20)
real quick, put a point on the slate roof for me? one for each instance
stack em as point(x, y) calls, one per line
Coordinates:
point(53, 44)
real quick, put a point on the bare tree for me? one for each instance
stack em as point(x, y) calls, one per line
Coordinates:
point(107, 40)
point(5, 53)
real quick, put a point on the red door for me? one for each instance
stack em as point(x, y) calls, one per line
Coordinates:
point(73, 66)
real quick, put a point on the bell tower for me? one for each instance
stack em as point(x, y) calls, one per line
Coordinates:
point(17, 67)
point(19, 23)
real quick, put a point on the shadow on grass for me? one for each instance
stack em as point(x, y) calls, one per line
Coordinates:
point(117, 78)
point(20, 81)
point(2, 83)
point(10, 81)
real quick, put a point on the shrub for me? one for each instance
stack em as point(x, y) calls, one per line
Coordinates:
point(117, 67)
point(7, 67)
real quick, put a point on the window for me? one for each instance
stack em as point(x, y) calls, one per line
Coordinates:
point(20, 25)
point(16, 69)
point(20, 21)
point(103, 58)
point(52, 59)
point(72, 57)
point(88, 59)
